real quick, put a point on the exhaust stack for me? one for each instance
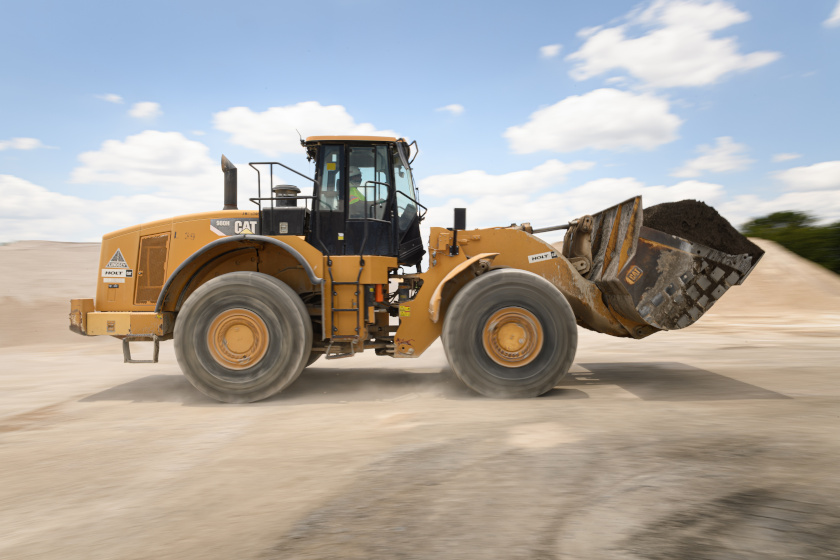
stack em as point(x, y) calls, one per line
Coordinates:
point(230, 184)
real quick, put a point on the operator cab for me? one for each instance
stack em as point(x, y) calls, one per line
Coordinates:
point(365, 201)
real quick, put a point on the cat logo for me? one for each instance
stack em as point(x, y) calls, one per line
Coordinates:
point(245, 227)
point(225, 227)
point(634, 274)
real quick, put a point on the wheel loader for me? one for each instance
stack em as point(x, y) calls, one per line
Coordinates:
point(252, 297)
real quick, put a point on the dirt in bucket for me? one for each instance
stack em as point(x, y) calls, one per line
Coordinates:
point(696, 221)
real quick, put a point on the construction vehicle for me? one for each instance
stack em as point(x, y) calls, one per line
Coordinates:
point(253, 297)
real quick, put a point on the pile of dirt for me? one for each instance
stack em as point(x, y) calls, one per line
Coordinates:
point(37, 281)
point(764, 297)
point(695, 221)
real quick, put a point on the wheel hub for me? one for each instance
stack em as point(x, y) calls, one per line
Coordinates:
point(237, 338)
point(513, 337)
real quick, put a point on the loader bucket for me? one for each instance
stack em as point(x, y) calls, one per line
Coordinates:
point(666, 265)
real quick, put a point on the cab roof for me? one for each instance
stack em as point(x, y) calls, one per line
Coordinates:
point(352, 139)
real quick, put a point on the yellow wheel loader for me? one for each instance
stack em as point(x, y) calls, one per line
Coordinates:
point(252, 297)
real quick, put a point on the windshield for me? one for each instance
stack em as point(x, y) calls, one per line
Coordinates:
point(405, 192)
point(402, 170)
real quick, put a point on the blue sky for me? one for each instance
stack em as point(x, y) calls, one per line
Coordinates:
point(115, 113)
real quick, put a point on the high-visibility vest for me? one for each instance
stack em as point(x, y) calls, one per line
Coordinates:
point(356, 195)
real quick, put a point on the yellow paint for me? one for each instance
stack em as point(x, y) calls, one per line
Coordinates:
point(434, 304)
point(79, 309)
point(123, 323)
point(421, 319)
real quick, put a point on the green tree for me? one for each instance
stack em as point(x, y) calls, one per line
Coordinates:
point(798, 232)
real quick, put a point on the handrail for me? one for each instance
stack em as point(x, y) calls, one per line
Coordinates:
point(253, 163)
point(415, 201)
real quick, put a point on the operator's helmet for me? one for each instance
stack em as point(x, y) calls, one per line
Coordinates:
point(355, 174)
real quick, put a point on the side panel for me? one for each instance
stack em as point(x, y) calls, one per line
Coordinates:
point(115, 283)
point(136, 262)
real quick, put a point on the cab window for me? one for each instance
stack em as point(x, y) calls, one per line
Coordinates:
point(367, 173)
point(330, 196)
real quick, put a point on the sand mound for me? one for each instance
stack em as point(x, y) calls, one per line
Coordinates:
point(783, 289)
point(37, 281)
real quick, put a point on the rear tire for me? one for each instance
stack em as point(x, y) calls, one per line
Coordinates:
point(510, 333)
point(242, 337)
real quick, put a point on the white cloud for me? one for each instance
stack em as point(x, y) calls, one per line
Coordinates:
point(273, 131)
point(604, 119)
point(151, 160)
point(834, 19)
point(21, 144)
point(550, 51)
point(30, 211)
point(725, 155)
point(166, 166)
point(455, 109)
point(499, 200)
point(817, 177)
point(481, 183)
point(145, 110)
point(153, 175)
point(785, 157)
point(677, 50)
point(110, 98)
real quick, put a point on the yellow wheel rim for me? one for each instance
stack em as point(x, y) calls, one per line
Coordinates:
point(513, 337)
point(237, 338)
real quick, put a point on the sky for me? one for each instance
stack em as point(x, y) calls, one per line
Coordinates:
point(117, 113)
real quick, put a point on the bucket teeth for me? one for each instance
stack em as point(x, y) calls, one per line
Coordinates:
point(690, 279)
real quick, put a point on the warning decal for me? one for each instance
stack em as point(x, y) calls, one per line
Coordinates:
point(542, 257)
point(117, 261)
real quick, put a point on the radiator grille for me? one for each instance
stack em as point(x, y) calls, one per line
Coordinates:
point(151, 272)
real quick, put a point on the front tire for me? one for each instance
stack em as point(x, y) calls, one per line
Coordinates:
point(242, 337)
point(510, 333)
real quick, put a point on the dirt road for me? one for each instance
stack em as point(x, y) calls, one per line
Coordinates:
point(721, 441)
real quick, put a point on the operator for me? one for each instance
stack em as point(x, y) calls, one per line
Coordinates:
point(357, 199)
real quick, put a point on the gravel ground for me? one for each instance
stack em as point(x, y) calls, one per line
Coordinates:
point(721, 441)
